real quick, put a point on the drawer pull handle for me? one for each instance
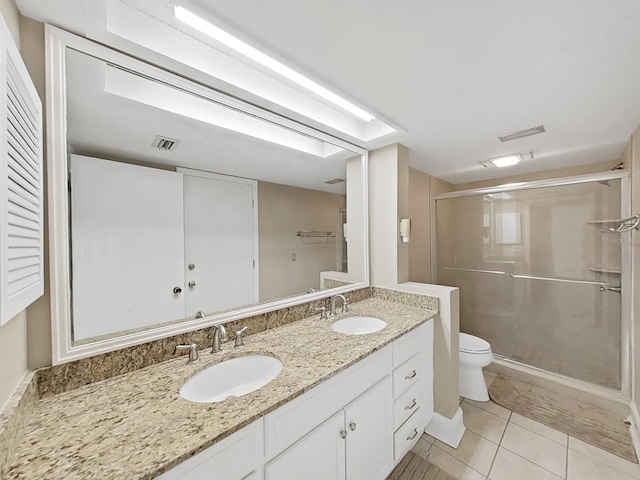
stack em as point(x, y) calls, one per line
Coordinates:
point(352, 426)
point(411, 375)
point(412, 405)
point(343, 434)
point(413, 435)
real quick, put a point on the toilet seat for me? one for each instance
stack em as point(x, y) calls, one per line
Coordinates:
point(473, 345)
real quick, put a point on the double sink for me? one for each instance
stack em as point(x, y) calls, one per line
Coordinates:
point(242, 375)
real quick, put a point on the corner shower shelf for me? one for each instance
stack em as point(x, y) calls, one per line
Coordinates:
point(604, 270)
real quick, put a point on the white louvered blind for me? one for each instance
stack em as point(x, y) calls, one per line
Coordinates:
point(21, 202)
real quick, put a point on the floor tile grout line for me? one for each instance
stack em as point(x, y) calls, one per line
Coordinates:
point(459, 460)
point(566, 467)
point(531, 461)
point(499, 443)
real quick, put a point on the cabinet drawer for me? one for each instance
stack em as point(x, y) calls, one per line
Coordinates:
point(407, 374)
point(407, 436)
point(407, 403)
point(410, 344)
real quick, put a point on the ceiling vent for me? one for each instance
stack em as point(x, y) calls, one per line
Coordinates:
point(335, 180)
point(165, 143)
point(522, 133)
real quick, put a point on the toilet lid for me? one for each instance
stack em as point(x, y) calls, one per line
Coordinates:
point(471, 344)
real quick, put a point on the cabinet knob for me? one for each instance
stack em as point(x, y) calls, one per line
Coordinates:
point(191, 266)
point(177, 290)
point(413, 435)
point(352, 426)
point(343, 434)
point(192, 284)
point(411, 375)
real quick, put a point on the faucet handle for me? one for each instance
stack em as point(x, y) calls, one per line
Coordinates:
point(345, 305)
point(193, 351)
point(323, 312)
point(240, 337)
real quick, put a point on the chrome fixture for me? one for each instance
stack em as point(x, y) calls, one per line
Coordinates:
point(199, 314)
point(323, 312)
point(627, 224)
point(192, 284)
point(240, 337)
point(219, 333)
point(314, 234)
point(177, 290)
point(345, 302)
point(611, 289)
point(193, 352)
point(311, 290)
point(530, 277)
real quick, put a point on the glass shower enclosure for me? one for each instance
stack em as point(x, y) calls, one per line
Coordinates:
point(541, 269)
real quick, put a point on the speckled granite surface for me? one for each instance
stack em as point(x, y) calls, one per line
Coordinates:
point(136, 425)
point(406, 298)
point(69, 376)
point(14, 419)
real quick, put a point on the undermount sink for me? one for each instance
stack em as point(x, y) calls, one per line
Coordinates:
point(358, 325)
point(231, 378)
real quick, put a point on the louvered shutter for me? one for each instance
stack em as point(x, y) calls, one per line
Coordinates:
point(21, 201)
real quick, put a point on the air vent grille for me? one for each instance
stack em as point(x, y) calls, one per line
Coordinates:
point(165, 143)
point(335, 180)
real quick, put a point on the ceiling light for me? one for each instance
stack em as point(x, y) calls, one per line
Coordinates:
point(507, 160)
point(522, 133)
point(202, 25)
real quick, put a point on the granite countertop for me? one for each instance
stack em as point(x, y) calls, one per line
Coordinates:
point(137, 426)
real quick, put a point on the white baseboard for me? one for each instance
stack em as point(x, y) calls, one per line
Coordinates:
point(634, 428)
point(447, 430)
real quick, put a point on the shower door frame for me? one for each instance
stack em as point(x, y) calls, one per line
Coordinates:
point(626, 320)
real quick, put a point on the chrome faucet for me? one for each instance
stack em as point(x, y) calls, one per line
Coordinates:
point(219, 333)
point(199, 314)
point(345, 302)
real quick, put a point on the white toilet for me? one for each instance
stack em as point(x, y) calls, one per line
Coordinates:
point(475, 353)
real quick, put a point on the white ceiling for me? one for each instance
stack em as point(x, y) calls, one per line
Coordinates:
point(455, 75)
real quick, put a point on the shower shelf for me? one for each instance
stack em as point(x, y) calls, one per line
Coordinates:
point(600, 222)
point(604, 270)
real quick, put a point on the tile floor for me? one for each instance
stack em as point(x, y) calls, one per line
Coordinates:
point(502, 445)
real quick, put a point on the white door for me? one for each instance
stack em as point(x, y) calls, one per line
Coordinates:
point(317, 456)
point(369, 420)
point(220, 242)
point(127, 246)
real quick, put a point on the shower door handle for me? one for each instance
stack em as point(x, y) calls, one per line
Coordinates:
point(611, 289)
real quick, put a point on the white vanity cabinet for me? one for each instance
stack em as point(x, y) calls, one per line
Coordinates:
point(357, 425)
point(354, 443)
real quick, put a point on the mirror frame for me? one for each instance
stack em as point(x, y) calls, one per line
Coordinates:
point(63, 350)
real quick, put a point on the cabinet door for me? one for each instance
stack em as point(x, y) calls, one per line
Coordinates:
point(127, 246)
point(318, 456)
point(369, 420)
point(220, 242)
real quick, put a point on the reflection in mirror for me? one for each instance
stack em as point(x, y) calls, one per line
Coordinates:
point(181, 207)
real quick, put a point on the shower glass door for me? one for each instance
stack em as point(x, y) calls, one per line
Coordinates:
point(539, 274)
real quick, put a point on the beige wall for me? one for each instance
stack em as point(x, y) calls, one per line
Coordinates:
point(13, 335)
point(421, 188)
point(389, 181)
point(283, 210)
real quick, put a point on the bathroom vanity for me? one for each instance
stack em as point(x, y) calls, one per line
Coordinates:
point(342, 405)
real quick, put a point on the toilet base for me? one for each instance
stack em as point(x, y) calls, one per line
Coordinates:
point(472, 384)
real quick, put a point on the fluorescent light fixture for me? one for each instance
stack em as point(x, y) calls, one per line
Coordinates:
point(522, 133)
point(203, 26)
point(159, 95)
point(507, 160)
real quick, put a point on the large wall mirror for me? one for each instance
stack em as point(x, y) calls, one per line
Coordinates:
point(174, 206)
